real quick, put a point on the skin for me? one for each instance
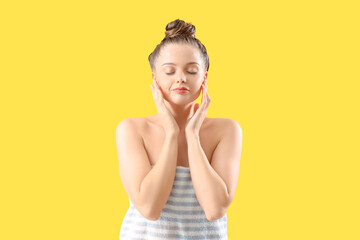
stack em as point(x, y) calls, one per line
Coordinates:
point(169, 76)
point(141, 142)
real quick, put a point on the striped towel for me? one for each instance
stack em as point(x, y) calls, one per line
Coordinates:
point(181, 218)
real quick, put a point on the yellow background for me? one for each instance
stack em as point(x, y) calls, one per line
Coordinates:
point(287, 71)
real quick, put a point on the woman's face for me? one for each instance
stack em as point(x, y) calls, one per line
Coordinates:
point(180, 66)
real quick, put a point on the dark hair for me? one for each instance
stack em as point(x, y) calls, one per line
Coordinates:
point(179, 32)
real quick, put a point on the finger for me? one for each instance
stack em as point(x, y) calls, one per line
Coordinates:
point(160, 98)
point(191, 112)
point(208, 99)
point(207, 93)
point(158, 90)
point(197, 107)
point(203, 98)
point(155, 97)
point(156, 85)
point(155, 88)
point(197, 110)
point(208, 103)
point(152, 91)
point(194, 110)
point(205, 103)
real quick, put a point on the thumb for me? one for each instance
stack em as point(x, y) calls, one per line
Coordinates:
point(197, 106)
point(192, 110)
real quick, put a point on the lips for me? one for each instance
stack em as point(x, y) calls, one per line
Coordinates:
point(182, 88)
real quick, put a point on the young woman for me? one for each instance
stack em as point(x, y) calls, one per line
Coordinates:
point(179, 168)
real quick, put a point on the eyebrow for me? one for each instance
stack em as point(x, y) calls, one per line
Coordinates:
point(186, 64)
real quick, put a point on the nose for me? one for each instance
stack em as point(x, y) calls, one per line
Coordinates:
point(181, 77)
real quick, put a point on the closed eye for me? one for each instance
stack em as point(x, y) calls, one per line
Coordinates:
point(188, 72)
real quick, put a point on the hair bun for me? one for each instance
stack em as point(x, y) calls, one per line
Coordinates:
point(179, 27)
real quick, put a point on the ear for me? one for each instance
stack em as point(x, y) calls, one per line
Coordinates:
point(205, 76)
point(153, 76)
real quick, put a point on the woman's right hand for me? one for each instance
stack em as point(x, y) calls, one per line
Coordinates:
point(167, 120)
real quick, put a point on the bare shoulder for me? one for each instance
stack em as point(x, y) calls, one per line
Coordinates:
point(221, 124)
point(135, 122)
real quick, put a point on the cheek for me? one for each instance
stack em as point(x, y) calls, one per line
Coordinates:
point(166, 89)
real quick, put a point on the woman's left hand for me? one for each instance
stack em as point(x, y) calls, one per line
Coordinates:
point(198, 114)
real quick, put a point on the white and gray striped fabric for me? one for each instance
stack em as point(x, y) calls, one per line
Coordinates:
point(181, 218)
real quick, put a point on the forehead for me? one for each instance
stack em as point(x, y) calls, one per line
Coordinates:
point(179, 54)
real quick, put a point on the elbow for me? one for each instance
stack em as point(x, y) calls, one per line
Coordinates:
point(210, 218)
point(146, 210)
point(151, 215)
point(215, 217)
point(147, 213)
point(152, 218)
point(217, 213)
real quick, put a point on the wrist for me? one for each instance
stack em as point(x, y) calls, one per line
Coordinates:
point(172, 133)
point(191, 134)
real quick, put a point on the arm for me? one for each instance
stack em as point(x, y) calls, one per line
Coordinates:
point(147, 188)
point(156, 186)
point(215, 184)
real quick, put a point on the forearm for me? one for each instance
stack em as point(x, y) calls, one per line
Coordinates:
point(210, 189)
point(156, 186)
